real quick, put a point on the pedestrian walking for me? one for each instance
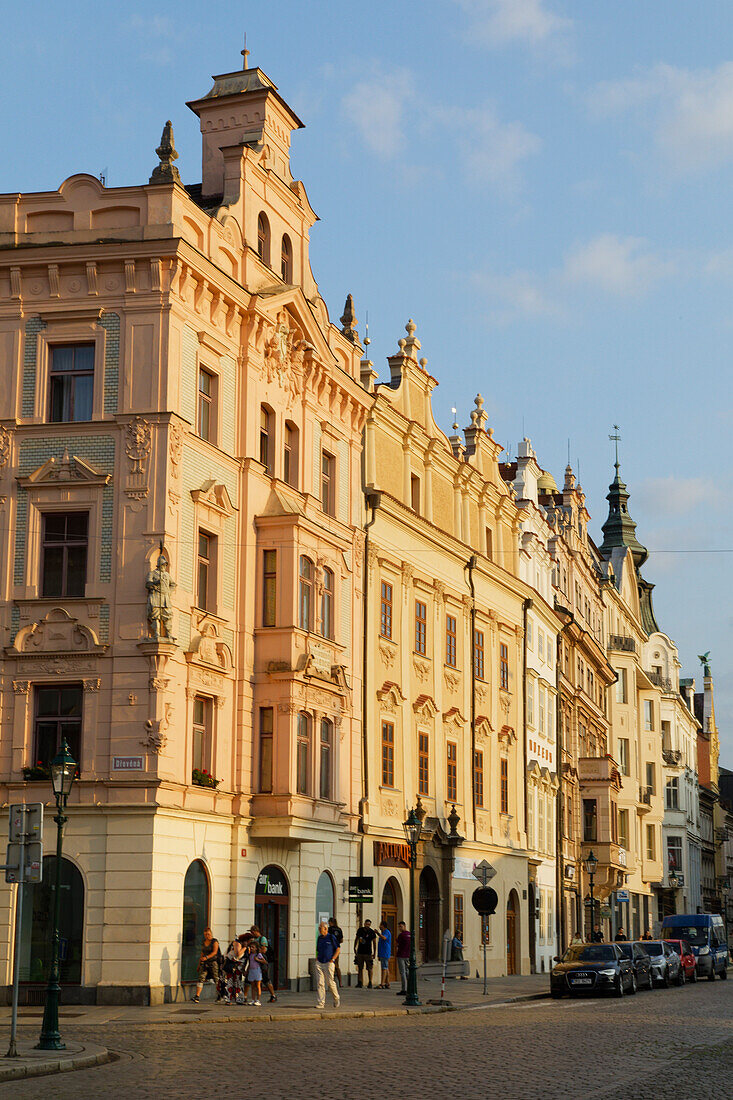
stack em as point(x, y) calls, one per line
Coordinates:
point(620, 936)
point(403, 956)
point(338, 935)
point(267, 953)
point(597, 936)
point(327, 952)
point(208, 967)
point(364, 952)
point(384, 953)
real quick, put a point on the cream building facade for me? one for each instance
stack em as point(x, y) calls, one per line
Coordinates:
point(175, 395)
point(444, 657)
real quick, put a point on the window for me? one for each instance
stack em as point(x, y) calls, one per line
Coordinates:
point(303, 754)
point(541, 921)
point(202, 733)
point(673, 793)
point(206, 595)
point(267, 439)
point(623, 828)
point(530, 635)
point(540, 645)
point(674, 853)
point(543, 706)
point(489, 543)
point(385, 611)
point(290, 454)
point(64, 565)
point(540, 821)
point(530, 817)
point(590, 819)
point(614, 822)
point(72, 383)
point(458, 916)
point(651, 779)
point(530, 702)
point(648, 714)
point(478, 778)
point(206, 419)
point(451, 756)
point(269, 587)
point(504, 666)
point(387, 754)
point(58, 716)
point(621, 692)
point(265, 784)
point(263, 238)
point(327, 604)
point(328, 483)
point(423, 764)
point(415, 492)
point(421, 627)
point(305, 594)
point(478, 654)
point(651, 847)
point(286, 259)
point(326, 758)
point(504, 784)
point(450, 640)
point(623, 755)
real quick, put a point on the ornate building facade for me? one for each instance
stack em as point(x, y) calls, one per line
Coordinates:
point(180, 457)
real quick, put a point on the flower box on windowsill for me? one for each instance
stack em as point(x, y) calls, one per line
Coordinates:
point(37, 772)
point(202, 778)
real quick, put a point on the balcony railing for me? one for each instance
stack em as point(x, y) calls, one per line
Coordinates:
point(662, 682)
point(671, 757)
point(622, 643)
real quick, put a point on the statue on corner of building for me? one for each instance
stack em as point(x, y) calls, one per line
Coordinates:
point(160, 586)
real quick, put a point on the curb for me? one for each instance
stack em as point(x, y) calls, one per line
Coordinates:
point(85, 1059)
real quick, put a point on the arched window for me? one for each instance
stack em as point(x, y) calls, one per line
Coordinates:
point(325, 763)
point(325, 898)
point(286, 259)
point(267, 439)
point(263, 238)
point(305, 594)
point(290, 454)
point(327, 604)
point(303, 757)
point(37, 928)
point(195, 917)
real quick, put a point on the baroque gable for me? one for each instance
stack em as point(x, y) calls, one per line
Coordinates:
point(67, 470)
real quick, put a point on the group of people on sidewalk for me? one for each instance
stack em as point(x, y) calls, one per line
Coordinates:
point(369, 944)
point(241, 972)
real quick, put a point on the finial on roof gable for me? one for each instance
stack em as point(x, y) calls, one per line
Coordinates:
point(411, 345)
point(166, 171)
point(348, 320)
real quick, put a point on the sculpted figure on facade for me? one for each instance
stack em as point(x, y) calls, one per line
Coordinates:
point(160, 586)
point(284, 354)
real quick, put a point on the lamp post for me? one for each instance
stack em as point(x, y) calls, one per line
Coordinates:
point(591, 866)
point(63, 771)
point(412, 834)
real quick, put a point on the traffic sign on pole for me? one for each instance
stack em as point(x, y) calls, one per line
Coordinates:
point(484, 872)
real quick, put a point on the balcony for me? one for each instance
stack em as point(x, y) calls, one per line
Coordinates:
point(672, 757)
point(608, 854)
point(598, 769)
point(662, 682)
point(621, 643)
point(645, 799)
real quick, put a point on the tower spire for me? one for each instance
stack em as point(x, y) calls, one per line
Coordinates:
point(245, 53)
point(615, 437)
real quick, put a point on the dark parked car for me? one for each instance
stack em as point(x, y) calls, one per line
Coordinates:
point(592, 968)
point(687, 957)
point(640, 961)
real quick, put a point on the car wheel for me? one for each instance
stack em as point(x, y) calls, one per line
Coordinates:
point(620, 986)
point(633, 987)
point(665, 979)
point(651, 979)
point(681, 976)
point(724, 973)
point(711, 975)
point(693, 974)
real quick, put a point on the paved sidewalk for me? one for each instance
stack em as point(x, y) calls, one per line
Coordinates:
point(35, 1063)
point(302, 1006)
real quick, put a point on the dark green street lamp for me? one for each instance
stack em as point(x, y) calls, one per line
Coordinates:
point(412, 834)
point(591, 866)
point(63, 772)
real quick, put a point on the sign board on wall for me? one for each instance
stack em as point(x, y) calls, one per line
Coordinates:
point(127, 763)
point(361, 888)
point(391, 854)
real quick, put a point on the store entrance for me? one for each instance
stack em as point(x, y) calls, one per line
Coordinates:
point(272, 910)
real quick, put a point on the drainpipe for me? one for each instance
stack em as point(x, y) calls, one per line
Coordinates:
point(372, 500)
point(526, 608)
point(470, 566)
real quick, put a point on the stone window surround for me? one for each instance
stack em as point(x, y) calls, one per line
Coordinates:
point(289, 720)
point(76, 329)
point(44, 498)
point(24, 714)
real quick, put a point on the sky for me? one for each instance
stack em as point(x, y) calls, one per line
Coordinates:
point(543, 185)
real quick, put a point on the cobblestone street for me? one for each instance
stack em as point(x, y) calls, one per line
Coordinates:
point(656, 1045)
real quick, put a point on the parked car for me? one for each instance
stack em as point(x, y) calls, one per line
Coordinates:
point(666, 966)
point(687, 958)
point(705, 933)
point(592, 968)
point(640, 961)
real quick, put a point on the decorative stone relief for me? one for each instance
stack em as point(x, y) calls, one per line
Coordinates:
point(132, 698)
point(160, 586)
point(505, 702)
point(137, 443)
point(422, 669)
point(390, 807)
point(158, 683)
point(408, 572)
point(4, 446)
point(284, 353)
point(175, 446)
point(93, 684)
point(389, 652)
point(288, 708)
point(452, 680)
point(20, 687)
point(439, 589)
point(156, 738)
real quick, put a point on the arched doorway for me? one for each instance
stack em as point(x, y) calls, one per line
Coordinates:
point(391, 914)
point(37, 926)
point(272, 905)
point(325, 900)
point(512, 910)
point(531, 903)
point(195, 918)
point(429, 916)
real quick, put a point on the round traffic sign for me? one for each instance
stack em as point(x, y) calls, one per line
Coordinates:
point(485, 900)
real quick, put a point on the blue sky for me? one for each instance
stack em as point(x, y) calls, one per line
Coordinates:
point(544, 185)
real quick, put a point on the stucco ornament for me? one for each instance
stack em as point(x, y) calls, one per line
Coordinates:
point(284, 353)
point(160, 586)
point(137, 444)
point(4, 446)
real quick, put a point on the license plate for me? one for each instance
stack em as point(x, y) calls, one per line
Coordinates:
point(582, 981)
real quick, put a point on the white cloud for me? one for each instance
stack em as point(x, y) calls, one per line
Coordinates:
point(514, 296)
point(619, 265)
point(377, 108)
point(497, 22)
point(690, 112)
point(674, 496)
point(491, 151)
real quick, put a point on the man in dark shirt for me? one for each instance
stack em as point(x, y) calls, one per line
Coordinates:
point(327, 951)
point(403, 955)
point(365, 948)
point(338, 935)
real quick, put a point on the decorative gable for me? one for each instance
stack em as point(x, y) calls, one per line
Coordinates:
point(213, 495)
point(425, 708)
point(65, 471)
